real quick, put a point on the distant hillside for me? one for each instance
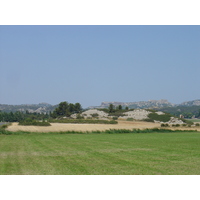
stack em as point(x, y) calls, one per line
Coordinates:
point(141, 104)
point(38, 108)
point(188, 109)
point(148, 104)
point(191, 103)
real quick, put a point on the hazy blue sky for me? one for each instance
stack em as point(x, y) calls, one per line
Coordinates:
point(91, 64)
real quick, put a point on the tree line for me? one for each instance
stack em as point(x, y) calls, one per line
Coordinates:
point(63, 109)
point(186, 111)
point(21, 116)
point(112, 108)
point(66, 109)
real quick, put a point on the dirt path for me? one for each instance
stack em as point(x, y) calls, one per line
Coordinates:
point(57, 127)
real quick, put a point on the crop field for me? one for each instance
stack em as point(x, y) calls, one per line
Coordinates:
point(100, 154)
point(57, 127)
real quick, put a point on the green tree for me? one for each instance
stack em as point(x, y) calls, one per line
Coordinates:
point(65, 109)
point(120, 107)
point(62, 108)
point(71, 107)
point(77, 107)
point(111, 108)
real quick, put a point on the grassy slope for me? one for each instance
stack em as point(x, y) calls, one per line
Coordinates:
point(145, 153)
point(194, 120)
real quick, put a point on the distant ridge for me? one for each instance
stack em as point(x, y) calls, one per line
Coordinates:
point(147, 104)
point(151, 104)
point(141, 104)
point(38, 108)
point(191, 103)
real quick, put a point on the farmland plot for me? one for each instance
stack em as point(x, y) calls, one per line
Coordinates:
point(57, 127)
point(144, 153)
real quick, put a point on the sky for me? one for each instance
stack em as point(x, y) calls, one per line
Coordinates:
point(92, 64)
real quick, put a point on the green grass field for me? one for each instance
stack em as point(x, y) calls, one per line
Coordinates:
point(77, 154)
point(194, 120)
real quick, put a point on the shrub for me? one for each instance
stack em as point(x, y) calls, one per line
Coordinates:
point(30, 122)
point(117, 113)
point(197, 124)
point(162, 118)
point(79, 116)
point(104, 109)
point(148, 120)
point(115, 118)
point(5, 132)
point(95, 115)
point(164, 125)
point(129, 119)
point(84, 121)
point(4, 126)
point(187, 122)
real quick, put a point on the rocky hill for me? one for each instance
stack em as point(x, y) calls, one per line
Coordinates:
point(136, 114)
point(191, 103)
point(151, 104)
point(163, 103)
point(38, 108)
point(141, 104)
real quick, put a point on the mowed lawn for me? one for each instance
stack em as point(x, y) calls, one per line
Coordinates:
point(85, 154)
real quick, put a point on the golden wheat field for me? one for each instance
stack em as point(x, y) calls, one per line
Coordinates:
point(57, 127)
point(61, 127)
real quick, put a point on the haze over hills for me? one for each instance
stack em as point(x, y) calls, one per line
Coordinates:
point(191, 103)
point(148, 104)
point(140, 104)
point(46, 108)
point(38, 108)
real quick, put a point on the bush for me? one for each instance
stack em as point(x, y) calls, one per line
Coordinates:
point(79, 116)
point(153, 130)
point(5, 132)
point(95, 115)
point(162, 118)
point(84, 121)
point(187, 122)
point(104, 110)
point(197, 124)
point(164, 125)
point(30, 122)
point(115, 118)
point(175, 125)
point(148, 120)
point(129, 119)
point(118, 113)
point(4, 126)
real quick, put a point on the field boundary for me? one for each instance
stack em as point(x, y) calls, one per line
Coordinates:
point(110, 131)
